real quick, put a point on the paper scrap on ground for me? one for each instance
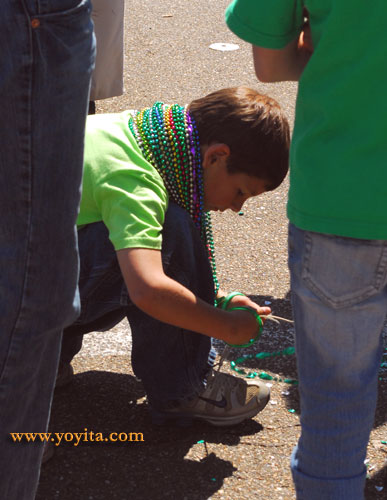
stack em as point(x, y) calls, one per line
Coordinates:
point(224, 46)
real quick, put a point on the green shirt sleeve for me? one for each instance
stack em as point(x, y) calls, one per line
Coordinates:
point(271, 24)
point(132, 206)
point(120, 187)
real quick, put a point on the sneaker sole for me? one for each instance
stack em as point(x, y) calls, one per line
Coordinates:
point(186, 420)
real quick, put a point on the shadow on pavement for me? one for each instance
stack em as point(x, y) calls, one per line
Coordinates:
point(170, 462)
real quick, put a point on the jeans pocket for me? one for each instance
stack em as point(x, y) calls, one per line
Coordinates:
point(342, 271)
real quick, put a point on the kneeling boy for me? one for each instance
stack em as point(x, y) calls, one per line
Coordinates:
point(145, 241)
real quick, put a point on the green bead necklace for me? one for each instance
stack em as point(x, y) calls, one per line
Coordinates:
point(169, 140)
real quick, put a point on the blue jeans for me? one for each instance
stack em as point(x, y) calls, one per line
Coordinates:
point(339, 298)
point(171, 362)
point(46, 58)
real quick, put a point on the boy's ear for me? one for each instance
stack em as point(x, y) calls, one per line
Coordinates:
point(215, 152)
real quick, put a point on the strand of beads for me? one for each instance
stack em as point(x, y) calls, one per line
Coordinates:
point(288, 351)
point(193, 147)
point(169, 140)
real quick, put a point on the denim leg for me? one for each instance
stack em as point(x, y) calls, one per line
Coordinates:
point(339, 302)
point(170, 361)
point(104, 297)
point(45, 66)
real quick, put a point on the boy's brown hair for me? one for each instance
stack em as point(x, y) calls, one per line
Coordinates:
point(252, 125)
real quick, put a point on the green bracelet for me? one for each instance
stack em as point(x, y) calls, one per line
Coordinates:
point(223, 302)
point(259, 324)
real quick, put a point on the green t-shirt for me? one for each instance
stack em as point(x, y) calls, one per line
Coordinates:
point(338, 160)
point(120, 187)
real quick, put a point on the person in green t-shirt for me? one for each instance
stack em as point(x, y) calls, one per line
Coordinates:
point(338, 220)
point(151, 177)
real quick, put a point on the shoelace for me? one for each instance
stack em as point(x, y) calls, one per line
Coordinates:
point(223, 357)
point(217, 378)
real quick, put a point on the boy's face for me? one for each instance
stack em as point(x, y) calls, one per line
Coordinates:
point(223, 190)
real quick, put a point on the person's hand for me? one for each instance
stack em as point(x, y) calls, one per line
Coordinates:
point(242, 325)
point(243, 301)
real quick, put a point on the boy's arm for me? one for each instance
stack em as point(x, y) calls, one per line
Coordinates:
point(287, 64)
point(170, 302)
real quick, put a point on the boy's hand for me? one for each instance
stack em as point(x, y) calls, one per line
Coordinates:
point(243, 301)
point(242, 327)
point(243, 324)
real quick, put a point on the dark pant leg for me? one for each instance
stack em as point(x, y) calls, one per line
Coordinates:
point(104, 298)
point(170, 361)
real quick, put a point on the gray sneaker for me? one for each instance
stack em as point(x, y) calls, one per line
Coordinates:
point(226, 400)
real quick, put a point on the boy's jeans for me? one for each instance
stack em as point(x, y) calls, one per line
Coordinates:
point(171, 362)
point(339, 298)
point(46, 60)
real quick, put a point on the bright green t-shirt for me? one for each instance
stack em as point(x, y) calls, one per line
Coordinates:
point(120, 187)
point(338, 160)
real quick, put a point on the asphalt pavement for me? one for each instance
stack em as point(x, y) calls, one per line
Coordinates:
point(168, 57)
